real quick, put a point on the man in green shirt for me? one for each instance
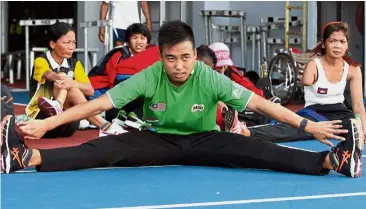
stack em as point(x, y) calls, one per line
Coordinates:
point(180, 99)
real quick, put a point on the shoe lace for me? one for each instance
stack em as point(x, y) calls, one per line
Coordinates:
point(15, 153)
point(57, 106)
point(345, 157)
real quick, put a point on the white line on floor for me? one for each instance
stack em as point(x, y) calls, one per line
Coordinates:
point(20, 104)
point(107, 168)
point(237, 202)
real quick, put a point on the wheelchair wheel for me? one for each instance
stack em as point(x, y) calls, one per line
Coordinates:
point(283, 77)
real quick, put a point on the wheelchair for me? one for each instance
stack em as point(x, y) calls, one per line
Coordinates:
point(285, 72)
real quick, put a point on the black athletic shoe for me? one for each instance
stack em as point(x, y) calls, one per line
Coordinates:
point(232, 123)
point(346, 156)
point(230, 119)
point(15, 155)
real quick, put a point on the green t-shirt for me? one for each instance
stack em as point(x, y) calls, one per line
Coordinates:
point(190, 108)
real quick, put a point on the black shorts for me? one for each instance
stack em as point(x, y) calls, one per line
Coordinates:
point(65, 130)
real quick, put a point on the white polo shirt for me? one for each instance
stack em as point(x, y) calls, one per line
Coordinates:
point(124, 13)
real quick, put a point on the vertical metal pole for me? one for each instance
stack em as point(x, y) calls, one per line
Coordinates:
point(259, 55)
point(11, 68)
point(4, 26)
point(222, 36)
point(162, 12)
point(111, 41)
point(264, 44)
point(253, 51)
point(183, 11)
point(206, 30)
point(27, 69)
point(210, 40)
point(19, 68)
point(95, 59)
point(86, 50)
point(287, 23)
point(304, 27)
point(31, 61)
point(107, 36)
point(243, 39)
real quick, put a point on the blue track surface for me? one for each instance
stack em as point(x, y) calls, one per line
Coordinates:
point(21, 97)
point(149, 186)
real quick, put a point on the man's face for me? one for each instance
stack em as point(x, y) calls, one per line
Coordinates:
point(137, 43)
point(178, 61)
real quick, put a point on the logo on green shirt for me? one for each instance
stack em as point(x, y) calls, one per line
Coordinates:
point(197, 107)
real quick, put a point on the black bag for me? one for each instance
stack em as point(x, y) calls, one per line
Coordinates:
point(7, 104)
point(99, 69)
point(265, 85)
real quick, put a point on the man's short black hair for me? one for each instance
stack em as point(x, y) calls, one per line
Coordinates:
point(138, 28)
point(205, 51)
point(174, 32)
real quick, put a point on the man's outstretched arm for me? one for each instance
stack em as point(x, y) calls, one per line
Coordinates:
point(320, 130)
point(35, 129)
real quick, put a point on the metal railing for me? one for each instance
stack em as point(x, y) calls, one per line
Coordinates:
point(8, 60)
point(33, 23)
point(108, 40)
point(208, 14)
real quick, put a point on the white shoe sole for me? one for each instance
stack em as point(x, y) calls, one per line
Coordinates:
point(5, 141)
point(356, 142)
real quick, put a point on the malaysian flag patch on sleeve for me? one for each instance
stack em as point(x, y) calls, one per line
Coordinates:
point(158, 106)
